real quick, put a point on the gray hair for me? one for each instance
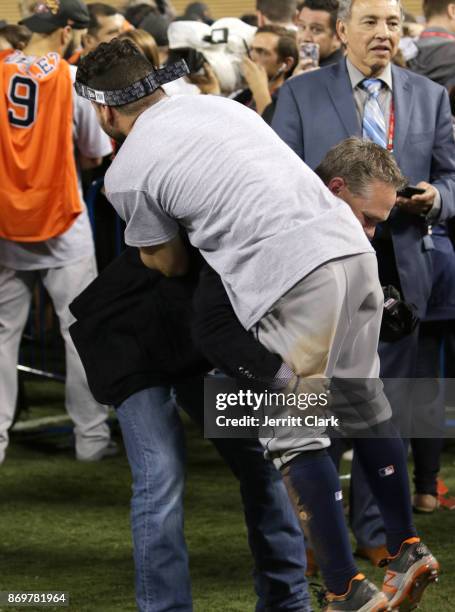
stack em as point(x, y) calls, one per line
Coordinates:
point(359, 162)
point(345, 9)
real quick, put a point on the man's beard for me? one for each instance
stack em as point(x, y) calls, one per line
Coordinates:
point(70, 49)
point(113, 133)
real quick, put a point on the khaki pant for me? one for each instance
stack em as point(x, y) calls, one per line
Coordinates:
point(327, 327)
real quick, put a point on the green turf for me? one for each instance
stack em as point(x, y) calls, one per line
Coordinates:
point(65, 526)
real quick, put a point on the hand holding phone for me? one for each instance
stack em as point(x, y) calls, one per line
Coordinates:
point(417, 199)
point(409, 191)
point(309, 54)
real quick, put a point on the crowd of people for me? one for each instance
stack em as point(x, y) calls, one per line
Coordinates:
point(287, 184)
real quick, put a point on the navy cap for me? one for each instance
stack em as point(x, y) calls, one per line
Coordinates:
point(50, 15)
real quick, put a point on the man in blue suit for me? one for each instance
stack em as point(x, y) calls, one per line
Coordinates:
point(366, 95)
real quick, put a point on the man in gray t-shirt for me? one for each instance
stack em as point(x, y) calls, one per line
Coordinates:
point(260, 217)
point(295, 263)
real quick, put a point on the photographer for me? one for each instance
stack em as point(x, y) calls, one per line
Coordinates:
point(272, 58)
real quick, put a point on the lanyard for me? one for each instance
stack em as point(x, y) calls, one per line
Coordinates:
point(438, 35)
point(391, 127)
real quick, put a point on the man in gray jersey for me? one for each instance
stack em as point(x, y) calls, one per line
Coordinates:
point(296, 266)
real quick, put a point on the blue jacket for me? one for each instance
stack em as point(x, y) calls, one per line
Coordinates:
point(315, 111)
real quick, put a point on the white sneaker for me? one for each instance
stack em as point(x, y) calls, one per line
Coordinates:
point(110, 450)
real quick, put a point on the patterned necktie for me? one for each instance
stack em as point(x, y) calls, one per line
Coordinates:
point(373, 126)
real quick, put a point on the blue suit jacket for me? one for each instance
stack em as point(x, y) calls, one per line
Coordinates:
point(315, 111)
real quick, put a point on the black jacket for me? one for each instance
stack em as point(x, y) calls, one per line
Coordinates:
point(133, 330)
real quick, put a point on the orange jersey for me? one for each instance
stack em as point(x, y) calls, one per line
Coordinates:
point(74, 59)
point(39, 196)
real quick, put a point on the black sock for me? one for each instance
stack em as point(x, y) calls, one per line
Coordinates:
point(384, 463)
point(315, 486)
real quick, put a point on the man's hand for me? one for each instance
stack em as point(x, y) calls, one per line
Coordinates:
point(255, 75)
point(169, 258)
point(304, 65)
point(419, 204)
point(207, 82)
point(258, 81)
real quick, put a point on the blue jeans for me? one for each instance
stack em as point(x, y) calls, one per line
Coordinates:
point(154, 442)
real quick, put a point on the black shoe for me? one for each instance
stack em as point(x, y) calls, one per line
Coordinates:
point(408, 575)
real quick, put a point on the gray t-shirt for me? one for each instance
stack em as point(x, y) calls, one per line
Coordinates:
point(260, 217)
point(77, 242)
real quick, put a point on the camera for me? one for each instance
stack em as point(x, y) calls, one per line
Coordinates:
point(195, 60)
point(223, 45)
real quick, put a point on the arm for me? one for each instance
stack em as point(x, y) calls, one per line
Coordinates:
point(169, 258)
point(286, 120)
point(437, 203)
point(208, 82)
point(443, 159)
point(256, 77)
point(148, 227)
point(224, 341)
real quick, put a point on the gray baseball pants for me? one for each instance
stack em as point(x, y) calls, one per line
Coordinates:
point(327, 327)
point(63, 285)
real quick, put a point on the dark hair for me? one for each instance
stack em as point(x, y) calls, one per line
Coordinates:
point(250, 18)
point(286, 45)
point(115, 65)
point(18, 36)
point(329, 6)
point(359, 162)
point(435, 7)
point(195, 11)
point(156, 26)
point(98, 9)
point(135, 14)
point(279, 11)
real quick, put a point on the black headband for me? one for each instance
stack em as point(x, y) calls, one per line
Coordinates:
point(136, 91)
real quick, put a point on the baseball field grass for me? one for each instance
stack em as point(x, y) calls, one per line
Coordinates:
point(65, 525)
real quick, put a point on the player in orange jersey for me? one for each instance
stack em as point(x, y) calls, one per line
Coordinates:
point(44, 228)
